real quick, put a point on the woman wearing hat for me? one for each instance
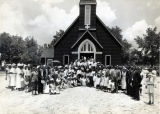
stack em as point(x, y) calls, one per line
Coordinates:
point(144, 72)
point(13, 77)
point(123, 79)
point(8, 75)
point(19, 77)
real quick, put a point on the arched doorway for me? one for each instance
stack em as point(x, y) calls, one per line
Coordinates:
point(87, 49)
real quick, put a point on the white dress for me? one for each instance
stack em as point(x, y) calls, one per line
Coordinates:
point(13, 77)
point(97, 81)
point(94, 80)
point(123, 80)
point(102, 80)
point(143, 74)
point(19, 78)
point(106, 82)
point(151, 81)
point(8, 77)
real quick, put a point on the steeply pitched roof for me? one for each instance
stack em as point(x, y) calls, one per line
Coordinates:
point(67, 30)
point(109, 31)
point(90, 35)
point(89, 32)
point(48, 53)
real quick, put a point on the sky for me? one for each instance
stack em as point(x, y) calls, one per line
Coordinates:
point(42, 18)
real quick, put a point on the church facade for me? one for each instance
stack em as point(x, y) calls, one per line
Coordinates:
point(88, 37)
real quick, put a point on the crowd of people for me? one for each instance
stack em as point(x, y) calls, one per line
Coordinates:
point(44, 79)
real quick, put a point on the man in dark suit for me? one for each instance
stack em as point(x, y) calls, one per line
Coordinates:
point(136, 83)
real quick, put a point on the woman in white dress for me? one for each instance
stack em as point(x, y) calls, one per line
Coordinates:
point(123, 80)
point(94, 79)
point(144, 72)
point(150, 81)
point(8, 75)
point(106, 81)
point(13, 77)
point(19, 77)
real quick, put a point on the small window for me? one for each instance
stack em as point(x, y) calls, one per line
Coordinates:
point(108, 60)
point(87, 14)
point(66, 59)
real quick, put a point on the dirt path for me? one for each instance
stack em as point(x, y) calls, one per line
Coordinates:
point(80, 100)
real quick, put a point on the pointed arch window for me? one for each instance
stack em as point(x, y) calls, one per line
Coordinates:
point(87, 47)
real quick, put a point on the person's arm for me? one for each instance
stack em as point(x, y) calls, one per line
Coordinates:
point(6, 75)
point(155, 81)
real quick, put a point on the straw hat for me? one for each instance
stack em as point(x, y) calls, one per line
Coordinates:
point(13, 64)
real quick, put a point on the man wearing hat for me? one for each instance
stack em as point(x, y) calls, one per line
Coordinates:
point(117, 78)
point(27, 76)
point(136, 83)
point(34, 81)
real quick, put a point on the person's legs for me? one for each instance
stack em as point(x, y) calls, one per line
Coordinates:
point(152, 96)
point(149, 98)
point(116, 86)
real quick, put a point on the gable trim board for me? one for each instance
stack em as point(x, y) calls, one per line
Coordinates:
point(82, 37)
point(89, 32)
point(67, 30)
point(109, 31)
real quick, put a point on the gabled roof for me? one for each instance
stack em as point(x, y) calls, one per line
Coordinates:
point(109, 31)
point(90, 35)
point(48, 53)
point(67, 30)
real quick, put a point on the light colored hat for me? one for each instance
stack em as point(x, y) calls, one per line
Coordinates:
point(59, 67)
point(25, 65)
point(29, 65)
point(124, 68)
point(13, 64)
point(9, 65)
point(146, 68)
point(19, 65)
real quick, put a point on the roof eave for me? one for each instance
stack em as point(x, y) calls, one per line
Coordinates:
point(91, 36)
point(66, 31)
point(109, 31)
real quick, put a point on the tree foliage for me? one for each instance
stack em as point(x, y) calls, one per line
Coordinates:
point(117, 32)
point(16, 49)
point(56, 37)
point(149, 45)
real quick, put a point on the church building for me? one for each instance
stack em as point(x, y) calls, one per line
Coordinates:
point(88, 37)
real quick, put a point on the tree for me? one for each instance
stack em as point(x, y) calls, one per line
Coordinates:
point(150, 45)
point(117, 32)
point(15, 49)
point(5, 43)
point(56, 37)
point(32, 51)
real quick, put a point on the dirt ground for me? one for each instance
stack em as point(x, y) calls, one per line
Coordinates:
point(79, 100)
